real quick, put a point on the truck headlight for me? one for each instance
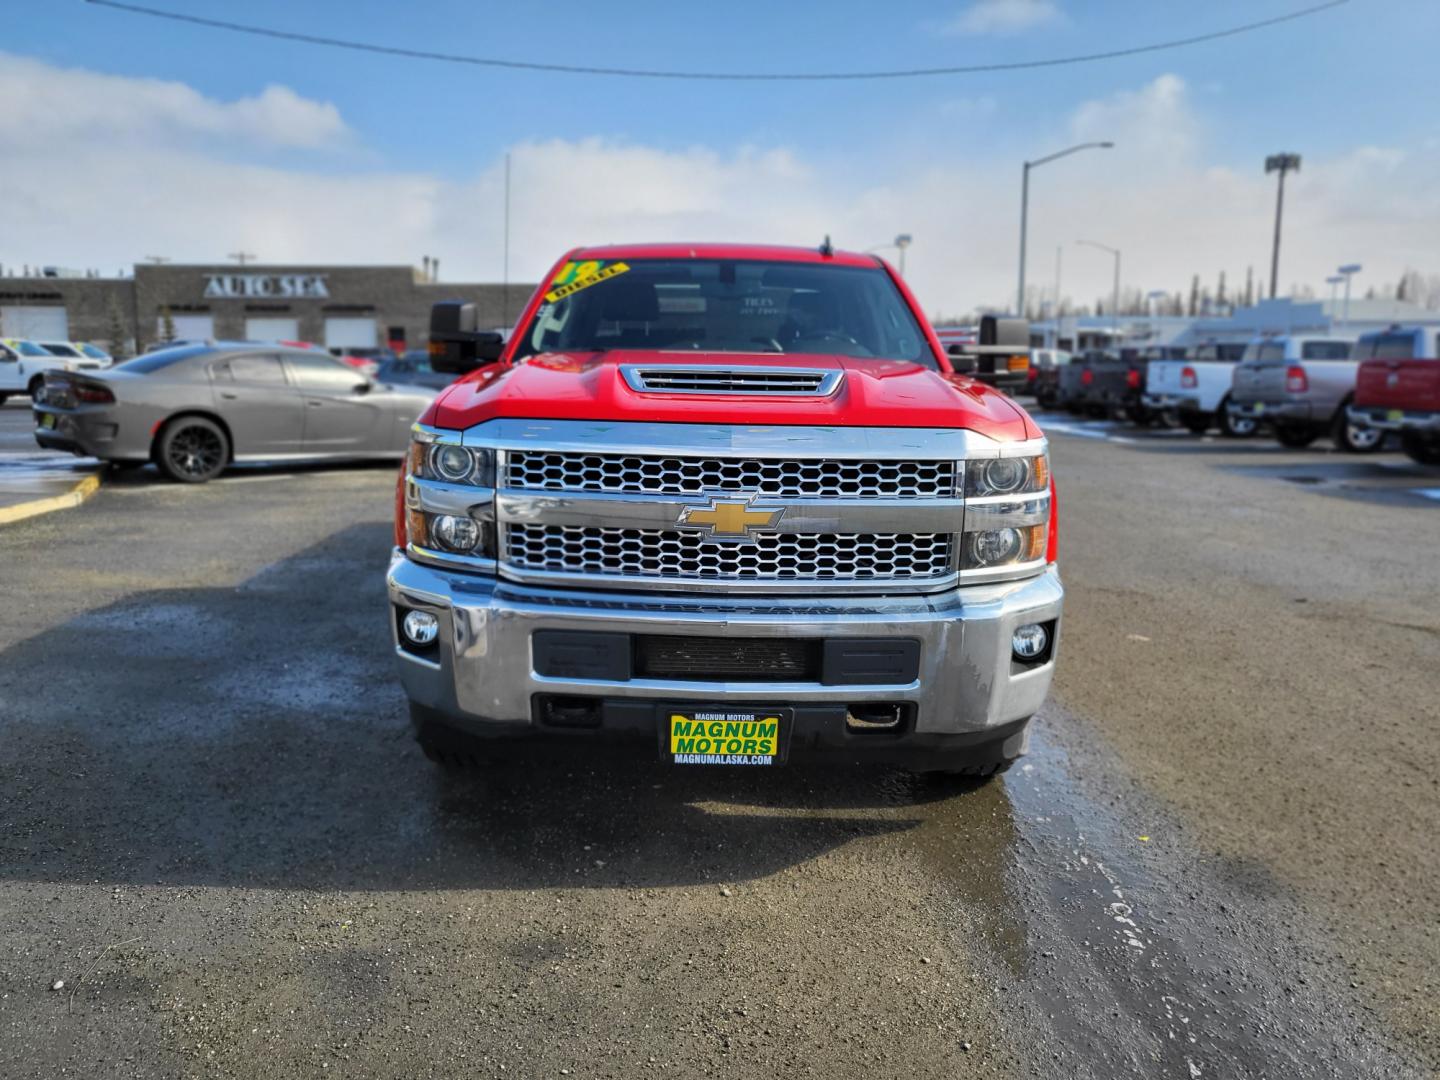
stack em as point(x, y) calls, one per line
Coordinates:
point(451, 463)
point(1007, 513)
point(450, 497)
point(1006, 476)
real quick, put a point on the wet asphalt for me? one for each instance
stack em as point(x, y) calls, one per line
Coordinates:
point(1218, 860)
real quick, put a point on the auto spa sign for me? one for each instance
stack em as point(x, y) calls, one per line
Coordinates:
point(266, 286)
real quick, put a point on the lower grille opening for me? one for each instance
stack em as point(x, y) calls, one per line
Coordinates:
point(875, 717)
point(553, 710)
point(719, 658)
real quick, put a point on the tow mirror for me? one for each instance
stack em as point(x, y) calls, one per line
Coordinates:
point(456, 346)
point(961, 362)
point(1004, 333)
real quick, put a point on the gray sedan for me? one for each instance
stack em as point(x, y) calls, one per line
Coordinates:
point(194, 409)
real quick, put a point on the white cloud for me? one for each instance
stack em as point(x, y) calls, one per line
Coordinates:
point(1004, 17)
point(74, 104)
point(167, 182)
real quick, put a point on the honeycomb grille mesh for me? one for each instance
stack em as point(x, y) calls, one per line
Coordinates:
point(663, 554)
point(653, 475)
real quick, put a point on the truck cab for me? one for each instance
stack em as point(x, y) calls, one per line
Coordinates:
point(1302, 385)
point(733, 503)
point(1397, 388)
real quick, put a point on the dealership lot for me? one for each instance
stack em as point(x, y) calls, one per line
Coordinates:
point(218, 834)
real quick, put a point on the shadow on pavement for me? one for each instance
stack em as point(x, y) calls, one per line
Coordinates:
point(257, 736)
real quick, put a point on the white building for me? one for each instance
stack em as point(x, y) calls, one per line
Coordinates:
point(1279, 316)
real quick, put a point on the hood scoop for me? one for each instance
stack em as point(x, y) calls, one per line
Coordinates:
point(719, 379)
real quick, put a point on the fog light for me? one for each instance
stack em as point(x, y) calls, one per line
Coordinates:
point(421, 628)
point(1029, 641)
point(455, 533)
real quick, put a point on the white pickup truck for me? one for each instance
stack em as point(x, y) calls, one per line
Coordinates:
point(23, 365)
point(1198, 389)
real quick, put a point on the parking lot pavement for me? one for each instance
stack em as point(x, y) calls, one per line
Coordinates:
point(1218, 862)
point(33, 480)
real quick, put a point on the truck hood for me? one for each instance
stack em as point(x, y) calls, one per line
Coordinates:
point(590, 386)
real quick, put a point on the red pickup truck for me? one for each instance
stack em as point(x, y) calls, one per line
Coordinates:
point(1397, 388)
point(731, 503)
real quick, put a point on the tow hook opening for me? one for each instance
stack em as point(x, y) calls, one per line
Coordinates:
point(872, 718)
point(568, 712)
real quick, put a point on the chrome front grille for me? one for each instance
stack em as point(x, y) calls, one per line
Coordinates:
point(644, 474)
point(709, 379)
point(669, 555)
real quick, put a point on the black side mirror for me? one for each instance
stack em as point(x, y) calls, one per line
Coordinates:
point(1004, 333)
point(456, 346)
point(961, 362)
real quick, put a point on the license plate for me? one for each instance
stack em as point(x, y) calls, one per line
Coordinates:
point(47, 420)
point(1395, 415)
point(725, 736)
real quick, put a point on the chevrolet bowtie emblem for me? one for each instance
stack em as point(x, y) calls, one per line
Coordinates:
point(729, 520)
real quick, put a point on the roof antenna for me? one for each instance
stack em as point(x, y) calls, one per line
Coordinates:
point(827, 249)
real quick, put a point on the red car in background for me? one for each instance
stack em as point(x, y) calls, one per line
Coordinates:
point(1397, 388)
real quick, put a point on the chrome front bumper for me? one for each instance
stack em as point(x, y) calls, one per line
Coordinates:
point(482, 676)
point(1291, 411)
point(1394, 419)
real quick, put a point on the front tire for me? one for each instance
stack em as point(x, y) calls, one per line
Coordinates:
point(1419, 449)
point(192, 450)
point(1355, 438)
point(36, 388)
point(985, 760)
point(1235, 427)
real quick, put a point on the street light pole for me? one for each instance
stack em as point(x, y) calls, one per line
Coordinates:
point(1025, 208)
point(1115, 292)
point(1333, 281)
point(1347, 271)
point(1281, 163)
point(900, 243)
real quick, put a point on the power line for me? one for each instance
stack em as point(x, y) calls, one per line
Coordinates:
point(715, 76)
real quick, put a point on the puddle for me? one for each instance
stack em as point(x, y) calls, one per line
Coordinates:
point(1134, 955)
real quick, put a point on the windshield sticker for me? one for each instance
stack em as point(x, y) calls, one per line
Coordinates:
point(576, 276)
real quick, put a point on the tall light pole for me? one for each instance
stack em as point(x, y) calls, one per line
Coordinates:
point(1025, 207)
point(1115, 293)
point(1333, 281)
point(900, 243)
point(1347, 271)
point(1281, 163)
point(1155, 294)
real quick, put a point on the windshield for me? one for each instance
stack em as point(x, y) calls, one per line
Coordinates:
point(687, 305)
point(92, 351)
point(28, 348)
point(55, 348)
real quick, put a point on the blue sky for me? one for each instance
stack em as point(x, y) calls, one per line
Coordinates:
point(1348, 88)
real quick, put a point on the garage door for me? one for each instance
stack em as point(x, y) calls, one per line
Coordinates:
point(350, 333)
point(188, 327)
point(35, 323)
point(272, 329)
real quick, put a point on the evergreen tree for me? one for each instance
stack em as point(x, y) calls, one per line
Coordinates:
point(1195, 296)
point(118, 337)
point(1220, 294)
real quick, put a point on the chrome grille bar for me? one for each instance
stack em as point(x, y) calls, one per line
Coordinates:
point(651, 474)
